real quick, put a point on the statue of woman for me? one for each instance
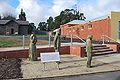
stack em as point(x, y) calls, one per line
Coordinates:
point(89, 50)
point(56, 40)
point(32, 47)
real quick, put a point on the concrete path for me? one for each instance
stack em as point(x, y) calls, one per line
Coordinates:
point(98, 76)
point(70, 65)
point(113, 59)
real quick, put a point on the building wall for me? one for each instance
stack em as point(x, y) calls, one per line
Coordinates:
point(115, 18)
point(2, 30)
point(11, 25)
point(23, 30)
point(99, 28)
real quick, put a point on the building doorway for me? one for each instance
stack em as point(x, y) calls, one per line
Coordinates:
point(12, 31)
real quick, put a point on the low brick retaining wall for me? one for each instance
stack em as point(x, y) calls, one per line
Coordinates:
point(115, 47)
point(72, 50)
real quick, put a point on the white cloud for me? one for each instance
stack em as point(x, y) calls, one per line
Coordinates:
point(34, 12)
point(6, 9)
point(100, 8)
point(59, 5)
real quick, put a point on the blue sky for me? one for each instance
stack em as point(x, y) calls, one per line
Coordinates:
point(40, 10)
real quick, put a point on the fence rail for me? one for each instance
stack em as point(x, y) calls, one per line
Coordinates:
point(21, 41)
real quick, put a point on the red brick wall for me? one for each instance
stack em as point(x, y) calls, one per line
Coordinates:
point(115, 47)
point(24, 53)
point(99, 28)
point(77, 51)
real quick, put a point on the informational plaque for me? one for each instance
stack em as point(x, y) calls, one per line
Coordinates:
point(50, 57)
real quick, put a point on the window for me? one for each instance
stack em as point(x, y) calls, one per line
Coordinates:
point(89, 26)
point(82, 27)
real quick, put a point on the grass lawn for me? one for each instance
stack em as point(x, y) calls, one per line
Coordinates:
point(17, 41)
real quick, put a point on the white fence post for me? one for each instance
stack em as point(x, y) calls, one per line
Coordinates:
point(23, 41)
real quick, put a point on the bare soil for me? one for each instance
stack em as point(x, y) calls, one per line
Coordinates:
point(10, 68)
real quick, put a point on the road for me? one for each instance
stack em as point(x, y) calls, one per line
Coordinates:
point(97, 76)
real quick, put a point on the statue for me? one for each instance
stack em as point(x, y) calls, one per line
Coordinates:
point(89, 50)
point(32, 47)
point(22, 16)
point(56, 40)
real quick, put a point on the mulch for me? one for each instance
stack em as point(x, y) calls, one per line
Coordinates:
point(10, 68)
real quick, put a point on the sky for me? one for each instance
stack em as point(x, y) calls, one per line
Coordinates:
point(40, 10)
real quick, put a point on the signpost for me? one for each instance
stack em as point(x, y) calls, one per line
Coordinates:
point(50, 57)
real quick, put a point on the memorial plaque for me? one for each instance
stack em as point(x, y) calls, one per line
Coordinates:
point(50, 57)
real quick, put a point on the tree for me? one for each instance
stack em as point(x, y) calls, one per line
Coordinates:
point(42, 26)
point(68, 15)
point(22, 16)
point(64, 17)
point(31, 28)
point(9, 17)
point(50, 23)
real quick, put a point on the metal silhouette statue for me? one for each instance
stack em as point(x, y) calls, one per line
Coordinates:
point(32, 47)
point(89, 50)
point(57, 40)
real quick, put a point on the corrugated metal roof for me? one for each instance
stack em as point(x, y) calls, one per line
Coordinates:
point(3, 22)
point(77, 22)
point(23, 22)
point(99, 18)
point(86, 21)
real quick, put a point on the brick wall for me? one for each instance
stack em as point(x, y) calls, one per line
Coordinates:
point(115, 47)
point(71, 50)
point(99, 28)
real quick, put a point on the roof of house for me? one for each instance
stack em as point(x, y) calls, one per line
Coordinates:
point(77, 22)
point(3, 22)
point(99, 18)
point(23, 22)
point(86, 21)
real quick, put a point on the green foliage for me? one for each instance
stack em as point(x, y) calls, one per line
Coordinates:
point(50, 23)
point(42, 26)
point(9, 17)
point(31, 28)
point(22, 16)
point(64, 17)
point(6, 44)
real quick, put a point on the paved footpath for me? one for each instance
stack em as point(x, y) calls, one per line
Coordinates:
point(98, 76)
point(71, 66)
point(74, 66)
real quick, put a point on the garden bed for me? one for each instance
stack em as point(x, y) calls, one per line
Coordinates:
point(10, 68)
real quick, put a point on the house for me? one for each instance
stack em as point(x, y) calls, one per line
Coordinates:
point(107, 25)
point(8, 27)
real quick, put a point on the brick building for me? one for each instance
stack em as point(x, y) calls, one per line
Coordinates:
point(8, 27)
point(106, 25)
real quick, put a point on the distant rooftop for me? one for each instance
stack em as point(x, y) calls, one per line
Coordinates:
point(86, 21)
point(99, 18)
point(77, 22)
point(3, 22)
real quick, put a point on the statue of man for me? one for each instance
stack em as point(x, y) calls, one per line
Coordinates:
point(32, 47)
point(89, 50)
point(57, 40)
